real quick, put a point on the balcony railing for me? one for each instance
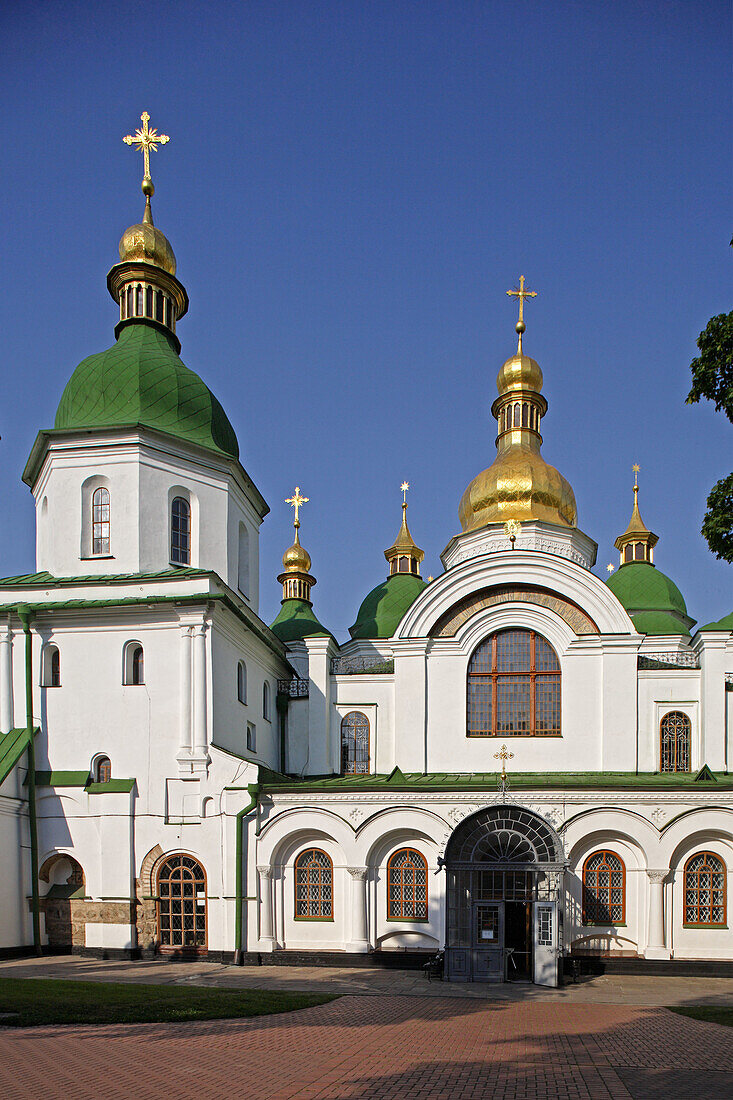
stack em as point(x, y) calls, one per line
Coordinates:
point(669, 660)
point(297, 688)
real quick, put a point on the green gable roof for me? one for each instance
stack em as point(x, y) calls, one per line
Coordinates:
point(382, 610)
point(723, 624)
point(140, 380)
point(653, 601)
point(297, 621)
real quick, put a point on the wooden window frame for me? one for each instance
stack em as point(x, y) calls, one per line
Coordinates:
point(180, 949)
point(704, 924)
point(322, 899)
point(662, 720)
point(392, 915)
point(605, 897)
point(102, 769)
point(495, 675)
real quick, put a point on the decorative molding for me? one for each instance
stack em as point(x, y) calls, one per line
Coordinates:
point(358, 873)
point(656, 877)
point(659, 816)
point(452, 620)
point(265, 871)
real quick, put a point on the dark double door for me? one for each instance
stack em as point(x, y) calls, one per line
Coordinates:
point(509, 941)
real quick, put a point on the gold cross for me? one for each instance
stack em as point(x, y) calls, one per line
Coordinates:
point(635, 470)
point(403, 489)
point(145, 140)
point(503, 755)
point(521, 293)
point(297, 502)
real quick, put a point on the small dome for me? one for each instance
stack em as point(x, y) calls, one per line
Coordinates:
point(518, 485)
point(296, 558)
point(141, 380)
point(653, 601)
point(383, 609)
point(519, 373)
point(145, 244)
point(296, 621)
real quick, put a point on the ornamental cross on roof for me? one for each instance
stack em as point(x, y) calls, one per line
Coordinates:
point(297, 502)
point(503, 754)
point(403, 489)
point(145, 139)
point(521, 293)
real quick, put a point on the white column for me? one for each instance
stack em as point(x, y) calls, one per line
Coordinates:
point(655, 948)
point(267, 939)
point(358, 908)
point(6, 679)
point(199, 692)
point(185, 741)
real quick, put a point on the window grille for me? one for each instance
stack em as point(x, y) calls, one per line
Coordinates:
point(704, 890)
point(544, 926)
point(180, 532)
point(604, 889)
point(407, 886)
point(354, 743)
point(513, 687)
point(313, 886)
point(674, 734)
point(100, 521)
point(182, 905)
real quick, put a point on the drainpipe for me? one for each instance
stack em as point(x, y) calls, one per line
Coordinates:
point(26, 617)
point(253, 790)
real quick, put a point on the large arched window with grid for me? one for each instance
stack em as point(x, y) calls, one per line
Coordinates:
point(354, 743)
point(604, 889)
point(313, 886)
point(675, 731)
point(704, 891)
point(407, 886)
point(513, 687)
point(181, 905)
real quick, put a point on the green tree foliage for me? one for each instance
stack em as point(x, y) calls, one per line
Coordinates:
point(712, 378)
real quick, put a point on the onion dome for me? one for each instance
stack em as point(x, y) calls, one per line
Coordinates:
point(653, 601)
point(296, 619)
point(382, 610)
point(143, 243)
point(519, 485)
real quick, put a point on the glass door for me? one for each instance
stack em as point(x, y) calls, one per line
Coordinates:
point(545, 943)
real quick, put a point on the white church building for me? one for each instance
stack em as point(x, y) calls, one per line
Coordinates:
point(176, 776)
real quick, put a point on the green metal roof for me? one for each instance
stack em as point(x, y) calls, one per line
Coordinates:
point(12, 747)
point(296, 620)
point(47, 580)
point(725, 623)
point(141, 380)
point(383, 609)
point(83, 779)
point(642, 588)
point(487, 781)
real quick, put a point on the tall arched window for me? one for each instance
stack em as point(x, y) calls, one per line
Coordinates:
point(674, 736)
point(100, 521)
point(354, 743)
point(50, 666)
point(407, 886)
point(266, 700)
point(242, 682)
point(604, 889)
point(704, 890)
point(133, 664)
point(180, 531)
point(313, 886)
point(182, 905)
point(513, 687)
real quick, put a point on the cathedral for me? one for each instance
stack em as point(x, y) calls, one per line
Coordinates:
point(516, 762)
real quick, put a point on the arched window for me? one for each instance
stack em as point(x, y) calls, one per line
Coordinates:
point(133, 664)
point(674, 736)
point(182, 905)
point(100, 521)
point(513, 687)
point(407, 886)
point(704, 890)
point(604, 889)
point(102, 770)
point(313, 886)
point(266, 700)
point(242, 682)
point(354, 743)
point(51, 666)
point(180, 531)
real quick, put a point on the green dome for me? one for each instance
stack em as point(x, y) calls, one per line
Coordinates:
point(297, 621)
point(653, 601)
point(141, 380)
point(381, 611)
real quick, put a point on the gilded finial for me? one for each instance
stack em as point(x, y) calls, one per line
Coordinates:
point(503, 755)
point(520, 293)
point(512, 527)
point(297, 502)
point(610, 568)
point(403, 489)
point(145, 140)
point(635, 470)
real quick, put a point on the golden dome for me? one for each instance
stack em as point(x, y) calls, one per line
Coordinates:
point(519, 485)
point(295, 558)
point(519, 373)
point(145, 244)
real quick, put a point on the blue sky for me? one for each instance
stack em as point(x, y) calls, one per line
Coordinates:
point(350, 188)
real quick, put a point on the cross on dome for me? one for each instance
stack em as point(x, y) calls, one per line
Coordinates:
point(297, 502)
point(145, 139)
point(520, 293)
point(403, 489)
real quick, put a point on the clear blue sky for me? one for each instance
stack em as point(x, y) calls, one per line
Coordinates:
point(350, 188)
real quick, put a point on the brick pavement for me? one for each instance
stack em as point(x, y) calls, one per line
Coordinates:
point(382, 1048)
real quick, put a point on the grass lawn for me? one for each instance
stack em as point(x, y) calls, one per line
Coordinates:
point(50, 1001)
point(722, 1014)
